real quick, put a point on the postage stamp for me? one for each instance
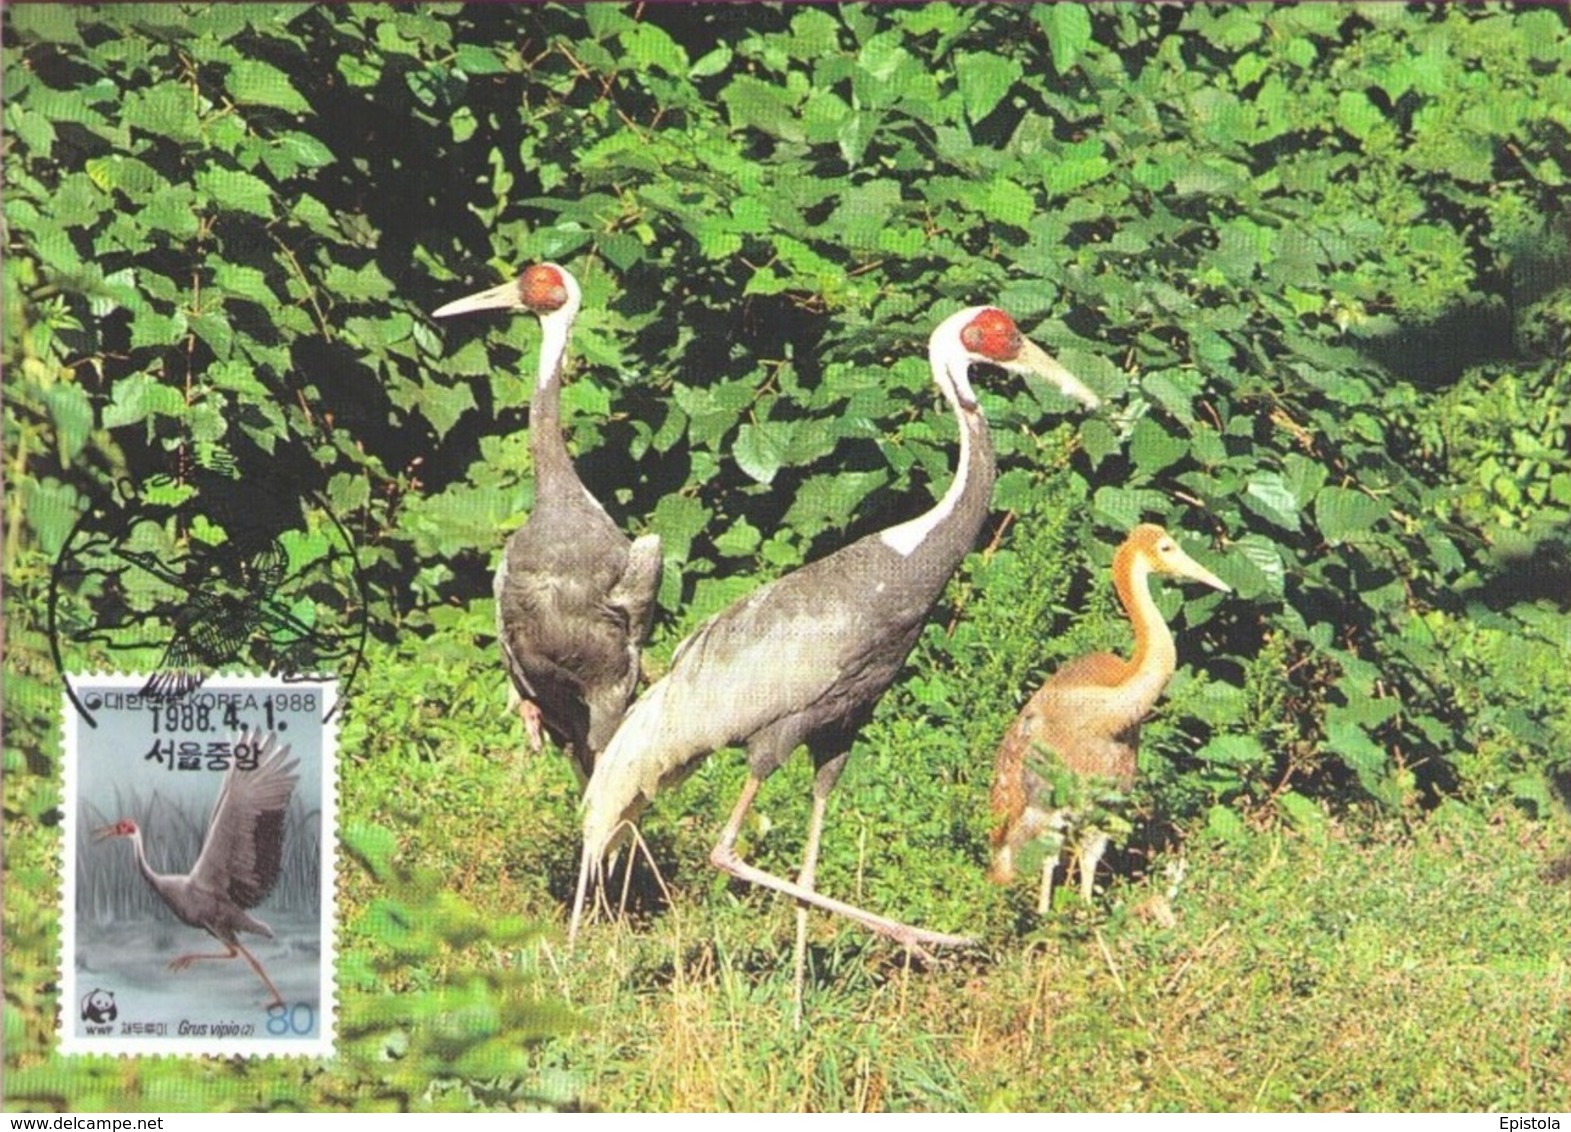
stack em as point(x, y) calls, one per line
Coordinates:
point(198, 913)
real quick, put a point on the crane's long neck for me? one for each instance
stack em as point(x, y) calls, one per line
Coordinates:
point(154, 879)
point(553, 466)
point(1155, 656)
point(945, 533)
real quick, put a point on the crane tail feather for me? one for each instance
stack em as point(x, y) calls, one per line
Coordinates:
point(636, 764)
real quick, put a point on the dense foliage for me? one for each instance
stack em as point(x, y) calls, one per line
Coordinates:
point(1314, 257)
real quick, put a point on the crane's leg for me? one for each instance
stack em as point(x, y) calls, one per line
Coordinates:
point(180, 963)
point(815, 829)
point(1044, 901)
point(1092, 846)
point(236, 949)
point(529, 712)
point(584, 867)
point(534, 729)
point(723, 857)
point(278, 999)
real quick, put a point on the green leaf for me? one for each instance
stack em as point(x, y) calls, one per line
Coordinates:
point(1124, 508)
point(45, 23)
point(1153, 448)
point(135, 178)
point(374, 846)
point(172, 212)
point(474, 59)
point(1075, 167)
point(1253, 566)
point(1234, 750)
point(856, 132)
point(52, 509)
point(1356, 114)
point(1350, 743)
point(360, 72)
point(1068, 28)
point(368, 283)
point(1008, 203)
point(830, 500)
point(72, 415)
point(243, 283)
point(759, 450)
point(262, 84)
point(586, 398)
point(139, 396)
point(1225, 825)
point(650, 47)
point(678, 519)
point(984, 80)
point(34, 131)
point(1269, 496)
point(150, 327)
point(307, 151)
point(865, 212)
point(740, 540)
point(1099, 440)
point(712, 63)
point(605, 19)
point(212, 327)
point(1342, 514)
point(232, 189)
point(1304, 814)
point(756, 104)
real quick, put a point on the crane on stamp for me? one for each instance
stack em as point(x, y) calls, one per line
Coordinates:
point(241, 855)
point(574, 597)
point(1087, 717)
point(805, 658)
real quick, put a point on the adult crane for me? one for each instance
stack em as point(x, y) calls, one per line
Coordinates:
point(240, 858)
point(574, 597)
point(804, 659)
point(1087, 717)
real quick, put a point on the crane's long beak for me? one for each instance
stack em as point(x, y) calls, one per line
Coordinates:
point(504, 296)
point(104, 834)
point(1186, 567)
point(1033, 361)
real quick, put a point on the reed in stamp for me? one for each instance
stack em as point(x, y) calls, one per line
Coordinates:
point(198, 876)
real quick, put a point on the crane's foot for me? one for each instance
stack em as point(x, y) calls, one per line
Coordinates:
point(914, 939)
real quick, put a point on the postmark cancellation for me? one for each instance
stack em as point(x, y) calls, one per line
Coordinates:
point(199, 829)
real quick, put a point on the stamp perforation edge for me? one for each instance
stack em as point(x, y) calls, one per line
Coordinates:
point(321, 1044)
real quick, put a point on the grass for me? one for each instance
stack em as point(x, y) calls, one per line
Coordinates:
point(1427, 970)
point(1419, 964)
point(1411, 962)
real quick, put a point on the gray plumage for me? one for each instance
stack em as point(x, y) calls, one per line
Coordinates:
point(574, 597)
point(801, 660)
point(242, 852)
point(805, 658)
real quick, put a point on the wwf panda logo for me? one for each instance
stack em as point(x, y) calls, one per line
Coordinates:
point(99, 1006)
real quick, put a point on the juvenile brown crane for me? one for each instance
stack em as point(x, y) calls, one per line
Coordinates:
point(240, 859)
point(1087, 716)
point(574, 597)
point(804, 659)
